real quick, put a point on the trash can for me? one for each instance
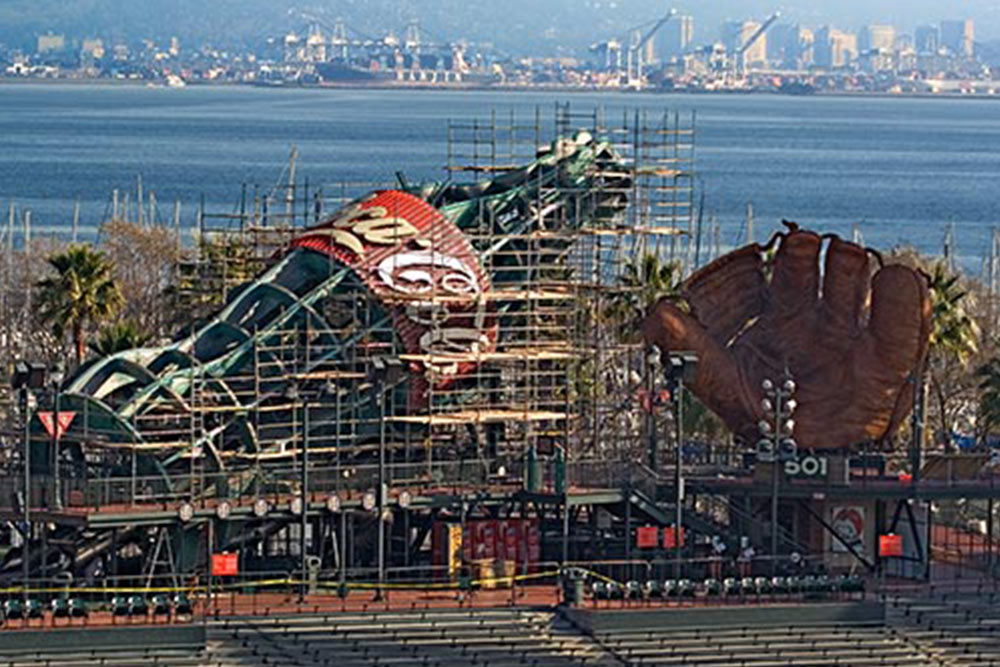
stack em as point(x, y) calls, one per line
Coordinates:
point(484, 572)
point(573, 580)
point(504, 572)
point(559, 471)
point(313, 566)
point(532, 471)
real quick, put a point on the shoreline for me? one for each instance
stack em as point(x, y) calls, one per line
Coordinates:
point(473, 87)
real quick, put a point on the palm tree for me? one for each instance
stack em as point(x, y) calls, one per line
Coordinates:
point(954, 340)
point(989, 397)
point(644, 281)
point(953, 332)
point(82, 293)
point(118, 337)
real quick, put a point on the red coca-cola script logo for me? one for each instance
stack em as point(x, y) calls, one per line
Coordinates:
point(423, 268)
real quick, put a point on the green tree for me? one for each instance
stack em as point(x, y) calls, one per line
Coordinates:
point(989, 397)
point(953, 331)
point(118, 337)
point(954, 342)
point(644, 281)
point(81, 294)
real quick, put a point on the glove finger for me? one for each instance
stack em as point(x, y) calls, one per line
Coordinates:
point(795, 277)
point(717, 378)
point(846, 279)
point(727, 293)
point(899, 334)
point(900, 316)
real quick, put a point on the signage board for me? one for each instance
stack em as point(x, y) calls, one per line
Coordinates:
point(225, 565)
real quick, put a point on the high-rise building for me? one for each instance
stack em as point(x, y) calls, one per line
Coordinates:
point(959, 37)
point(779, 41)
point(927, 39)
point(175, 47)
point(844, 47)
point(877, 38)
point(94, 48)
point(790, 46)
point(835, 48)
point(737, 33)
point(51, 43)
point(676, 37)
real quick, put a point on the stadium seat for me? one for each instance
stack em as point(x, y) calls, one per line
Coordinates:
point(615, 591)
point(34, 609)
point(182, 605)
point(137, 606)
point(852, 584)
point(161, 605)
point(60, 608)
point(13, 609)
point(599, 590)
point(77, 608)
point(633, 590)
point(712, 587)
point(653, 589)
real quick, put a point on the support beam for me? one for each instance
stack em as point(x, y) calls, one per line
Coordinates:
point(850, 547)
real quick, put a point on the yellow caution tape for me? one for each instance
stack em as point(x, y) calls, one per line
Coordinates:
point(271, 583)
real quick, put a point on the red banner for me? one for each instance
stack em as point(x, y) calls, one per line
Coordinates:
point(890, 546)
point(225, 565)
point(647, 537)
point(516, 540)
point(670, 538)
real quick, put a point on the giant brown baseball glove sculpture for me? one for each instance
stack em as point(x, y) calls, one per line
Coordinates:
point(852, 341)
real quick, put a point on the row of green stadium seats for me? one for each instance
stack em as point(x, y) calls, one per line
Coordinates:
point(20, 609)
point(654, 589)
point(159, 605)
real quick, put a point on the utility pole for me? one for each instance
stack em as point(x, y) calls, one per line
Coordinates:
point(141, 201)
point(290, 194)
point(652, 371)
point(679, 479)
point(56, 377)
point(26, 551)
point(682, 365)
point(777, 444)
point(305, 498)
point(76, 220)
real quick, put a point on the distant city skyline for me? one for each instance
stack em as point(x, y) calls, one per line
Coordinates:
point(550, 26)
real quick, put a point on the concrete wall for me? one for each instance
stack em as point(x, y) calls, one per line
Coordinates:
point(87, 639)
point(615, 620)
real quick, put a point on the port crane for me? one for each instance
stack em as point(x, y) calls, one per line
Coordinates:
point(741, 54)
point(635, 65)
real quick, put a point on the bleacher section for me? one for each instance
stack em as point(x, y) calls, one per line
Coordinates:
point(118, 647)
point(945, 629)
point(957, 628)
point(802, 646)
point(487, 637)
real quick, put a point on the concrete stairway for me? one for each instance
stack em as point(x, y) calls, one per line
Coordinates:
point(490, 638)
point(764, 646)
point(955, 628)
